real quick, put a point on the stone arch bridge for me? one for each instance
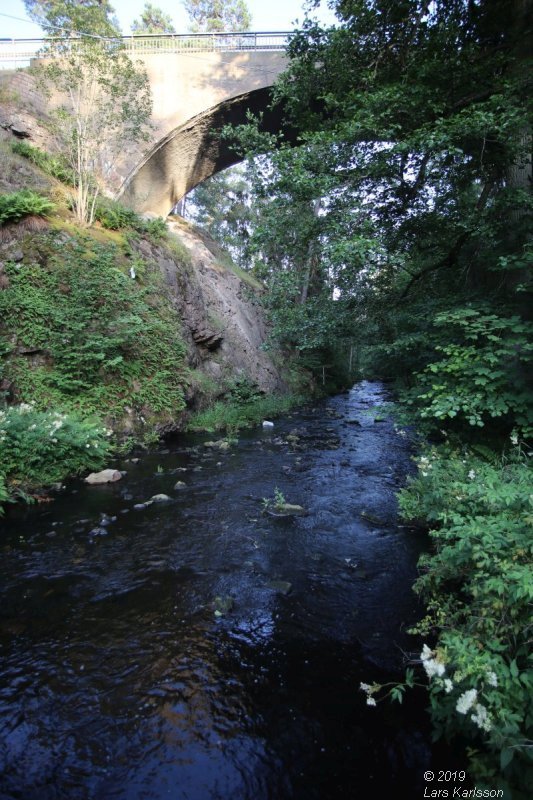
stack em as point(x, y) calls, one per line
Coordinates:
point(199, 83)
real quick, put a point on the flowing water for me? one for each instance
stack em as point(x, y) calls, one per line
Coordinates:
point(201, 649)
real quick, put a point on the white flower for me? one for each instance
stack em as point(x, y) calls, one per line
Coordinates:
point(432, 663)
point(370, 701)
point(471, 474)
point(492, 679)
point(365, 687)
point(448, 685)
point(434, 668)
point(466, 701)
point(481, 717)
point(426, 653)
point(514, 438)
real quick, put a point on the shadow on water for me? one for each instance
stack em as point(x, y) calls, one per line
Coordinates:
point(119, 681)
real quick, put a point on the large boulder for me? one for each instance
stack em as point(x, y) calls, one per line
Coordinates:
point(105, 476)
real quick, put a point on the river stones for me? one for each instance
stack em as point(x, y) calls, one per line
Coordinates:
point(283, 587)
point(223, 605)
point(179, 485)
point(219, 444)
point(105, 476)
point(98, 531)
point(286, 510)
point(372, 518)
point(160, 498)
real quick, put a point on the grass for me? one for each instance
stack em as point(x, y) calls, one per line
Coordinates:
point(232, 416)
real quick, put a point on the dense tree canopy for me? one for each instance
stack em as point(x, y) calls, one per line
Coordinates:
point(415, 137)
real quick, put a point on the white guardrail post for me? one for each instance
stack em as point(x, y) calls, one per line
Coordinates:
point(17, 53)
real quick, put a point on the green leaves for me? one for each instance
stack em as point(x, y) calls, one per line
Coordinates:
point(476, 582)
point(17, 205)
point(104, 100)
point(40, 448)
point(104, 341)
point(482, 374)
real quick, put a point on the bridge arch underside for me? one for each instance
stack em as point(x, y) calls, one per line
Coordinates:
point(194, 151)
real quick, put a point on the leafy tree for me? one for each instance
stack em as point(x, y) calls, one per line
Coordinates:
point(105, 98)
point(221, 205)
point(218, 15)
point(415, 123)
point(153, 20)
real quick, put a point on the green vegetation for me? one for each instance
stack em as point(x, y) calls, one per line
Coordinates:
point(218, 15)
point(478, 589)
point(4, 494)
point(56, 166)
point(107, 100)
point(24, 203)
point(232, 415)
point(114, 217)
point(41, 448)
point(80, 335)
point(276, 503)
point(152, 20)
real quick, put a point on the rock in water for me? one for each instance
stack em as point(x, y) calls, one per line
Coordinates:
point(223, 605)
point(286, 510)
point(283, 587)
point(267, 424)
point(160, 498)
point(105, 476)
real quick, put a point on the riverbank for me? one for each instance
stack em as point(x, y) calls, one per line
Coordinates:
point(122, 333)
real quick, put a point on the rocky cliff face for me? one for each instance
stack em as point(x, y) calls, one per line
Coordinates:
point(223, 322)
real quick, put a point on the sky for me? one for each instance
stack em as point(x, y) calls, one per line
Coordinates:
point(272, 15)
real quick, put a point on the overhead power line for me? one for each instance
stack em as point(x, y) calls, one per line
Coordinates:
point(59, 28)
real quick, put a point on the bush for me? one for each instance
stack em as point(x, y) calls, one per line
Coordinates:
point(477, 584)
point(16, 205)
point(233, 415)
point(242, 390)
point(38, 448)
point(478, 372)
point(52, 165)
point(114, 216)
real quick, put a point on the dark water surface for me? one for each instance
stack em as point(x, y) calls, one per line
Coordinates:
point(117, 679)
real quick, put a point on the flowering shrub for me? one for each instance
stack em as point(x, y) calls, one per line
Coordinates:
point(478, 588)
point(39, 448)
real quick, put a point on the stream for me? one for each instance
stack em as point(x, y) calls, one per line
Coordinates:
point(200, 649)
